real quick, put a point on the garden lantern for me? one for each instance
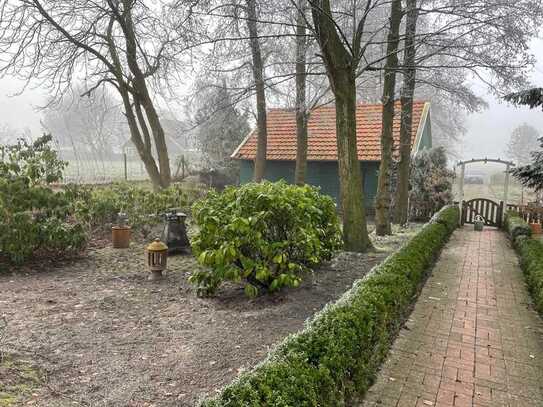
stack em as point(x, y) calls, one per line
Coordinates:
point(175, 232)
point(157, 258)
point(120, 233)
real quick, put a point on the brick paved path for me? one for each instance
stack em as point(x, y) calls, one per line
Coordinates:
point(472, 339)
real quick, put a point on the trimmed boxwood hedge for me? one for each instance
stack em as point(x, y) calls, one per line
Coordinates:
point(334, 359)
point(515, 226)
point(530, 252)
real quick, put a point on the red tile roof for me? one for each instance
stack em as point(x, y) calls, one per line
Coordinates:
point(322, 133)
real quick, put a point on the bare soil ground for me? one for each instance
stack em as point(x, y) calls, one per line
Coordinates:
point(98, 333)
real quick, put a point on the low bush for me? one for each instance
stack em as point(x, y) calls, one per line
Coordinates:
point(265, 235)
point(530, 252)
point(100, 206)
point(335, 358)
point(34, 218)
point(515, 226)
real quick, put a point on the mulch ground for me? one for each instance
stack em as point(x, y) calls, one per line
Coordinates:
point(98, 333)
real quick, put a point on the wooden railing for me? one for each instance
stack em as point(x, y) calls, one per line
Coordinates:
point(530, 213)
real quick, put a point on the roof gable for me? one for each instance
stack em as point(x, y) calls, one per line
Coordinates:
point(322, 146)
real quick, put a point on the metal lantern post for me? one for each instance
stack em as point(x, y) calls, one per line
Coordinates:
point(157, 259)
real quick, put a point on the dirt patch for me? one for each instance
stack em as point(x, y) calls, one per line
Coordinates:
point(104, 335)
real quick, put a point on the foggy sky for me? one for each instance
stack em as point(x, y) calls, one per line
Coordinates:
point(487, 132)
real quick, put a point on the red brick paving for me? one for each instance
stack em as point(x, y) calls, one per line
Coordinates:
point(472, 339)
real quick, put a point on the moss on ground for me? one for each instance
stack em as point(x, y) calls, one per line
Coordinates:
point(18, 379)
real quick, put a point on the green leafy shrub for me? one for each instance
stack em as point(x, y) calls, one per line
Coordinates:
point(100, 206)
point(34, 218)
point(515, 226)
point(265, 235)
point(335, 358)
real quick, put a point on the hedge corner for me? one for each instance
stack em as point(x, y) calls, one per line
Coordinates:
point(335, 358)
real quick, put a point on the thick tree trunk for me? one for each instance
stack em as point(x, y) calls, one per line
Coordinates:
point(301, 102)
point(258, 75)
point(341, 70)
point(143, 149)
point(145, 101)
point(406, 124)
point(355, 233)
point(382, 204)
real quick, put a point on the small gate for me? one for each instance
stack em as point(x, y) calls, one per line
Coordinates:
point(492, 212)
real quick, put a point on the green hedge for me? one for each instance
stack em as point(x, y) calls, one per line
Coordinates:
point(335, 358)
point(515, 226)
point(530, 252)
point(531, 261)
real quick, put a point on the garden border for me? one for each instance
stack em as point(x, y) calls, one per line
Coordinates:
point(530, 252)
point(335, 358)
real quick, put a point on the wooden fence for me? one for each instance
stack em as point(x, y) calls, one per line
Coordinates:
point(530, 213)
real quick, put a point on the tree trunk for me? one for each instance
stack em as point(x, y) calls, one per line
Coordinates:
point(355, 232)
point(144, 151)
point(382, 204)
point(144, 99)
point(342, 76)
point(258, 75)
point(406, 123)
point(301, 102)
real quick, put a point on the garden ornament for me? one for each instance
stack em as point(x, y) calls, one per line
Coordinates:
point(157, 259)
point(120, 233)
point(175, 232)
point(479, 223)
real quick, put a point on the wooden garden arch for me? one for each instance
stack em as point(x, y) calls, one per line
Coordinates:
point(462, 165)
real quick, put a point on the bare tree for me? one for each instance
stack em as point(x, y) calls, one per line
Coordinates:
point(523, 141)
point(486, 39)
point(342, 59)
point(127, 44)
point(406, 122)
point(258, 75)
point(302, 115)
point(93, 126)
point(383, 199)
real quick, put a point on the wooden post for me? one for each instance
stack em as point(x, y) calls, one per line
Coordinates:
point(506, 190)
point(125, 167)
point(500, 218)
point(461, 190)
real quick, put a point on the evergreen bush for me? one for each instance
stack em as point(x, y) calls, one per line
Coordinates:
point(265, 235)
point(33, 217)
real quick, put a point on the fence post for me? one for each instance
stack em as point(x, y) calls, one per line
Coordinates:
point(501, 218)
point(125, 167)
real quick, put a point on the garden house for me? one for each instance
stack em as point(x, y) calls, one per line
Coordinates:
point(322, 166)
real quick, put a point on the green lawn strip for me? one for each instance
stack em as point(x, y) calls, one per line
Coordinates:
point(18, 379)
point(530, 251)
point(335, 358)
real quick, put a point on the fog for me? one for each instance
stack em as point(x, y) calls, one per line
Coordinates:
point(487, 132)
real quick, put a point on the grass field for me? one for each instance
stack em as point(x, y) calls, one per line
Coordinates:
point(495, 192)
point(90, 171)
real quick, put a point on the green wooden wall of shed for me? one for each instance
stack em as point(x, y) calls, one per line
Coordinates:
point(319, 173)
